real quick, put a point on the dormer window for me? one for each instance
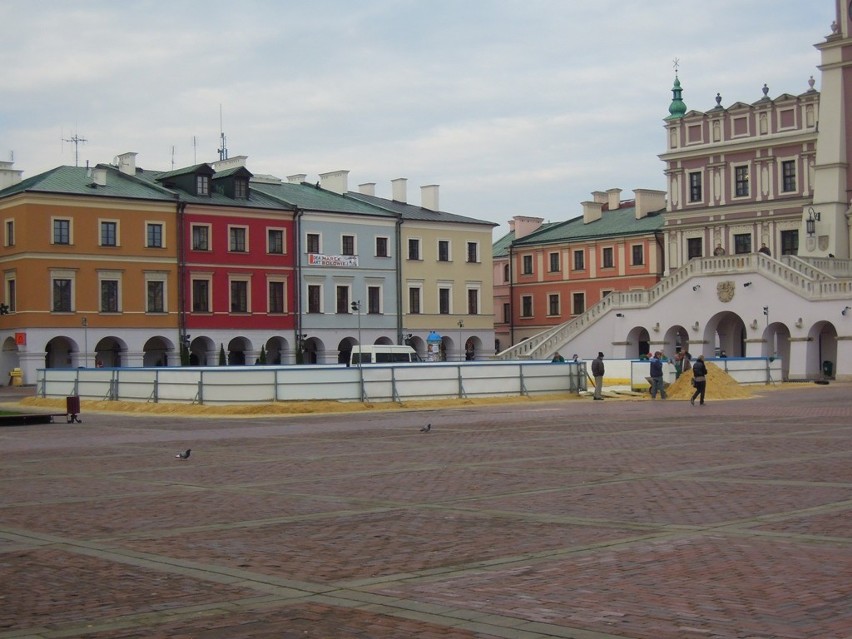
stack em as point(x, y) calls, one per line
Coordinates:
point(202, 185)
point(241, 189)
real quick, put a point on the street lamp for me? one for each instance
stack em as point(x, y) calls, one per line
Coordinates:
point(356, 308)
point(461, 346)
point(85, 323)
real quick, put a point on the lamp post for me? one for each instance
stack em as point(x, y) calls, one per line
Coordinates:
point(356, 308)
point(85, 323)
point(461, 345)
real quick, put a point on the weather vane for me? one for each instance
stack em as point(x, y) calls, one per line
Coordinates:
point(676, 64)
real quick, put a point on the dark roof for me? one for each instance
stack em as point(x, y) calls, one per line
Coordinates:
point(416, 213)
point(310, 197)
point(619, 222)
point(75, 180)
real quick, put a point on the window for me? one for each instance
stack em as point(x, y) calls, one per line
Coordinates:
point(578, 303)
point(554, 262)
point(312, 243)
point(638, 254)
point(444, 301)
point(109, 296)
point(62, 231)
point(154, 235)
point(414, 294)
point(239, 296)
point(742, 243)
point(789, 242)
point(202, 185)
point(241, 188)
point(413, 249)
point(694, 247)
point(109, 234)
point(507, 313)
point(200, 296)
point(579, 260)
point(200, 238)
point(606, 257)
point(473, 301)
point(343, 299)
point(347, 245)
point(741, 181)
point(553, 304)
point(443, 251)
point(314, 298)
point(695, 194)
point(156, 296)
point(526, 306)
point(237, 239)
point(382, 247)
point(275, 241)
point(10, 233)
point(472, 252)
point(276, 297)
point(62, 295)
point(788, 176)
point(374, 300)
point(11, 293)
point(527, 264)
point(506, 272)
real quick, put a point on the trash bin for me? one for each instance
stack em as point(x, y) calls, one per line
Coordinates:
point(16, 377)
point(827, 368)
point(72, 408)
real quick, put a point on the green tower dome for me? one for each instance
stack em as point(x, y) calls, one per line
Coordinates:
point(677, 108)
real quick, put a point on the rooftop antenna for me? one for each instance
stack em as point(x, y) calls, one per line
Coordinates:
point(223, 151)
point(194, 150)
point(173, 157)
point(77, 140)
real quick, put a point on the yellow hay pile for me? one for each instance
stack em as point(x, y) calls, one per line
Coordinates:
point(720, 385)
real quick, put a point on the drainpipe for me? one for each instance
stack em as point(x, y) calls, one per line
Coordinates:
point(297, 288)
point(181, 276)
point(658, 235)
point(399, 316)
point(511, 299)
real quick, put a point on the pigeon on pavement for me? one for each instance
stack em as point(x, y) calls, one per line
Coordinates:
point(184, 454)
point(426, 428)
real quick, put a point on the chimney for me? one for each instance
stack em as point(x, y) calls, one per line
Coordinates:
point(8, 175)
point(613, 199)
point(229, 163)
point(99, 176)
point(335, 181)
point(523, 226)
point(592, 211)
point(298, 178)
point(127, 163)
point(648, 201)
point(368, 188)
point(429, 197)
point(398, 189)
point(600, 197)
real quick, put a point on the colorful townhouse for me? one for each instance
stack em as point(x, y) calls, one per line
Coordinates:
point(89, 270)
point(445, 273)
point(559, 270)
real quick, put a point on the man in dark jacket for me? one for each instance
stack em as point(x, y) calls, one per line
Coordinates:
point(699, 373)
point(657, 376)
point(598, 373)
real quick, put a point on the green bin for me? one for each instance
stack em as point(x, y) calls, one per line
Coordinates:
point(827, 368)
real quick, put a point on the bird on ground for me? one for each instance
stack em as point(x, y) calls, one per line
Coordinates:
point(184, 454)
point(426, 428)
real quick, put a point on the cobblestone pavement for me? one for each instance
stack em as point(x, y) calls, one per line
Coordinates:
point(592, 520)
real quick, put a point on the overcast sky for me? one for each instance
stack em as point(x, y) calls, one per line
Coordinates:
point(514, 107)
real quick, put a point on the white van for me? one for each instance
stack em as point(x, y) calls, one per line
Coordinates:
point(382, 354)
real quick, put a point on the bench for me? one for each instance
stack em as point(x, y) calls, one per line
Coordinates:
point(23, 419)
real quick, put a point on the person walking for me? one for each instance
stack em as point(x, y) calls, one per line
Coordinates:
point(699, 379)
point(657, 376)
point(598, 373)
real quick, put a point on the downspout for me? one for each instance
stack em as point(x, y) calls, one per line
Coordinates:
point(297, 288)
point(181, 283)
point(399, 316)
point(511, 299)
point(658, 235)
